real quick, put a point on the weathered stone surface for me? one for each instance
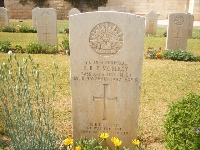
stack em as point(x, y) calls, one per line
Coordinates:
point(106, 56)
point(47, 26)
point(190, 28)
point(73, 11)
point(151, 23)
point(4, 20)
point(34, 16)
point(177, 31)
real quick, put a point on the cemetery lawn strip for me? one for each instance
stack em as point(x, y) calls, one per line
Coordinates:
point(163, 82)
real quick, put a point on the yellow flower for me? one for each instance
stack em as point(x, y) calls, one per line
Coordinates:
point(116, 141)
point(68, 141)
point(113, 139)
point(78, 148)
point(104, 135)
point(135, 142)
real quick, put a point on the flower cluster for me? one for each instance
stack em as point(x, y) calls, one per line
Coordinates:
point(116, 141)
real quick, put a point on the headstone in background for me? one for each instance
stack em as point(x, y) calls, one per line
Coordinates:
point(106, 61)
point(190, 28)
point(177, 31)
point(151, 23)
point(113, 8)
point(4, 20)
point(47, 26)
point(73, 11)
point(34, 16)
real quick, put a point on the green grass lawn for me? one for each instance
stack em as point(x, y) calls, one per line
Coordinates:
point(163, 82)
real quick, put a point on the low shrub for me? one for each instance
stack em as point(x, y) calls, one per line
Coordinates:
point(9, 28)
point(153, 54)
point(27, 99)
point(178, 55)
point(65, 43)
point(5, 46)
point(38, 48)
point(19, 48)
point(182, 124)
point(26, 29)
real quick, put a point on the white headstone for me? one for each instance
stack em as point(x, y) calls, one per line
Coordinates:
point(3, 17)
point(47, 26)
point(106, 56)
point(177, 31)
point(73, 11)
point(34, 16)
point(190, 28)
point(151, 23)
point(113, 8)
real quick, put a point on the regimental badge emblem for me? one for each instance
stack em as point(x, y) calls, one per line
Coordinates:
point(106, 39)
point(179, 20)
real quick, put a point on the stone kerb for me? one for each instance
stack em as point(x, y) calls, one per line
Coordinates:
point(151, 20)
point(4, 19)
point(106, 61)
point(177, 31)
point(47, 26)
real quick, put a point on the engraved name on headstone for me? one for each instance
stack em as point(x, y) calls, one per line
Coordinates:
point(106, 62)
point(47, 26)
point(177, 31)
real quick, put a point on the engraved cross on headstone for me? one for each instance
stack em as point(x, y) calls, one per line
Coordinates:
point(105, 99)
point(177, 37)
point(151, 23)
point(46, 34)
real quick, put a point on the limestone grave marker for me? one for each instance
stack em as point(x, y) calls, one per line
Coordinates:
point(190, 28)
point(34, 16)
point(106, 61)
point(3, 17)
point(151, 23)
point(47, 26)
point(177, 31)
point(73, 11)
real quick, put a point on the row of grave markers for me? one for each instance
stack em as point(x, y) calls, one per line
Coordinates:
point(44, 20)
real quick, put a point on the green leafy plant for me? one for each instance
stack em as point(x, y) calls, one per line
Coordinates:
point(19, 48)
point(178, 55)
point(65, 43)
point(38, 48)
point(5, 46)
point(28, 103)
point(9, 28)
point(182, 124)
point(152, 53)
point(26, 29)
